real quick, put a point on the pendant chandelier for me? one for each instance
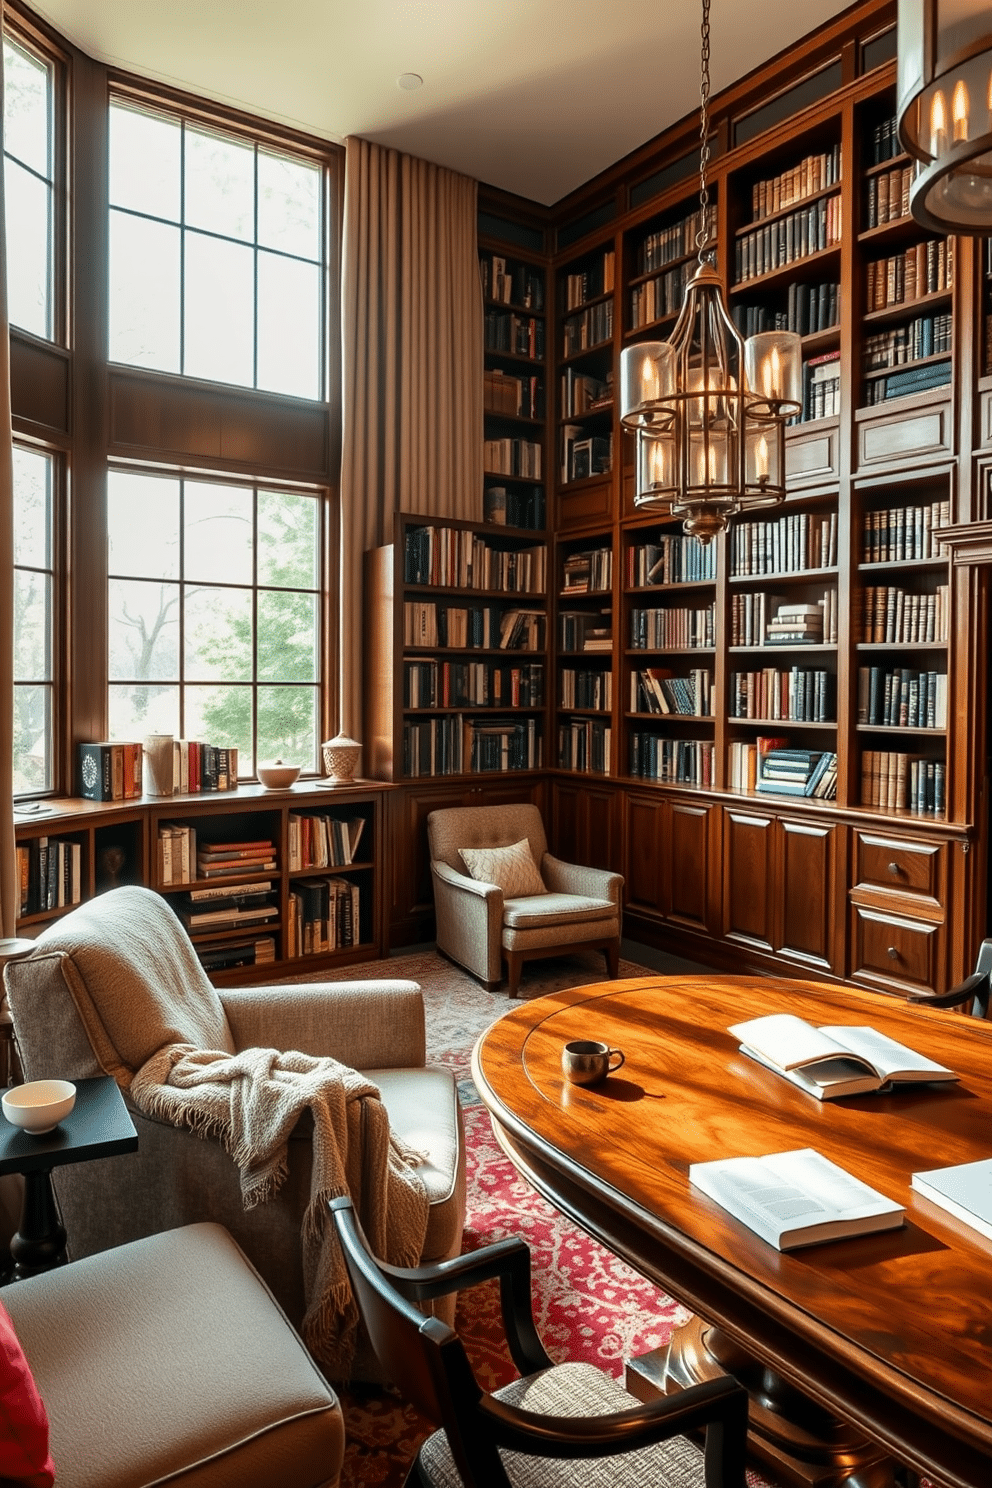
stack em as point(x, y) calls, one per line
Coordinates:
point(708, 408)
point(945, 111)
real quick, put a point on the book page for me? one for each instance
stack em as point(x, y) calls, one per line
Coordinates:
point(789, 1191)
point(787, 1041)
point(887, 1055)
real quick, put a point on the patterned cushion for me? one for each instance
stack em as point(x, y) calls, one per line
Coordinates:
point(512, 868)
point(556, 909)
point(576, 1390)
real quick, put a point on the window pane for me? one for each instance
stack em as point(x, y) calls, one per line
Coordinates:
point(144, 631)
point(287, 637)
point(32, 634)
point(220, 185)
point(142, 525)
point(144, 293)
point(287, 725)
point(289, 326)
point(32, 508)
point(143, 709)
point(221, 716)
point(289, 206)
point(218, 542)
point(218, 635)
point(288, 545)
point(32, 739)
point(27, 109)
point(145, 162)
point(28, 208)
point(219, 310)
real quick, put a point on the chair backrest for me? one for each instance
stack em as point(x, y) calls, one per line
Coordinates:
point(455, 827)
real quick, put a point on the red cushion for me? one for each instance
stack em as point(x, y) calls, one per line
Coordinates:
point(24, 1455)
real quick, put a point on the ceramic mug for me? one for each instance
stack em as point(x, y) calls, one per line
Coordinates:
point(586, 1061)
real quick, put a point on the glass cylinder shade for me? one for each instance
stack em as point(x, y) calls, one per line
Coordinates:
point(709, 399)
point(655, 471)
point(945, 111)
point(646, 377)
point(773, 372)
point(764, 448)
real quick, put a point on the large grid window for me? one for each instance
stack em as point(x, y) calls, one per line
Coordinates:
point(215, 615)
point(29, 187)
point(216, 255)
point(34, 584)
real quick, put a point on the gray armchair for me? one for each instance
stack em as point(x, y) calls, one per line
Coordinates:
point(123, 946)
point(480, 928)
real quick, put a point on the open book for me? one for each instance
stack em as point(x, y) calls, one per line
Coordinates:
point(964, 1191)
point(795, 1198)
point(834, 1060)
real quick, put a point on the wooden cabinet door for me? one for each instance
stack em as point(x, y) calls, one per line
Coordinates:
point(690, 859)
point(645, 858)
point(585, 824)
point(812, 930)
point(410, 890)
point(749, 896)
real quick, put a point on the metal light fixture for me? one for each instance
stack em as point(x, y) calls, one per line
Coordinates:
point(945, 111)
point(708, 408)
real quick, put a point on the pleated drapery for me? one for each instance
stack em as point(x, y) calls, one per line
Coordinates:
point(9, 882)
point(411, 363)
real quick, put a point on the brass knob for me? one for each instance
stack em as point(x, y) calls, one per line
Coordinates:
point(893, 954)
point(894, 869)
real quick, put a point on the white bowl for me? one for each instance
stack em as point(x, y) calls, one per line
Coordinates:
point(274, 775)
point(38, 1106)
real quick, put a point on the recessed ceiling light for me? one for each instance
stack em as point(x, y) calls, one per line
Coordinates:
point(409, 81)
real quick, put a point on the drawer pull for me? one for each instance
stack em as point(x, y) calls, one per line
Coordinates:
point(894, 869)
point(893, 954)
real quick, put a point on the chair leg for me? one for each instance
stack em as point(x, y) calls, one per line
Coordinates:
point(612, 954)
point(514, 963)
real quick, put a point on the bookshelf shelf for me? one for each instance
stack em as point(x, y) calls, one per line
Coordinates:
point(797, 205)
point(799, 268)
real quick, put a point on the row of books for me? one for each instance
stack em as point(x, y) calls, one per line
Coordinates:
point(677, 628)
point(590, 328)
point(922, 269)
point(594, 279)
point(902, 782)
point(744, 761)
point(519, 457)
point(678, 240)
point(477, 684)
point(518, 335)
point(585, 630)
point(888, 196)
point(809, 308)
point(796, 543)
point(587, 688)
point(801, 695)
point(761, 619)
point(894, 616)
point(588, 572)
point(323, 914)
point(583, 393)
point(50, 874)
point(226, 955)
point(813, 174)
point(584, 454)
point(509, 507)
point(657, 690)
point(900, 697)
point(241, 906)
point(657, 298)
point(788, 239)
point(923, 336)
point(821, 387)
point(514, 283)
point(110, 770)
point(670, 560)
point(584, 745)
point(901, 534)
point(433, 746)
point(912, 380)
point(452, 745)
point(798, 772)
point(671, 761)
point(472, 627)
point(883, 142)
point(454, 557)
point(315, 840)
point(518, 397)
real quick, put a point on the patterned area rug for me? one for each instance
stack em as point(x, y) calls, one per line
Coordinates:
point(588, 1304)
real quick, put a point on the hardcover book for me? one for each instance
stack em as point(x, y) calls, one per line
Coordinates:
point(834, 1060)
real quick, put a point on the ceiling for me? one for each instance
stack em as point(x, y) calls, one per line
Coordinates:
point(535, 96)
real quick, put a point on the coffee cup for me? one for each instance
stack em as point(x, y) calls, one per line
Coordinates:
point(586, 1061)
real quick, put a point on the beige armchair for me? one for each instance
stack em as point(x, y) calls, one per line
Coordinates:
point(126, 947)
point(569, 908)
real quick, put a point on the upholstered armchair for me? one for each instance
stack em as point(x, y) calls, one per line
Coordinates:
point(127, 955)
point(499, 895)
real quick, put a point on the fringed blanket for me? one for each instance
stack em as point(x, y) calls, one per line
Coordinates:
point(251, 1101)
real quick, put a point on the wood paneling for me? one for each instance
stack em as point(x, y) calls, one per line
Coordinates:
point(749, 878)
point(809, 920)
point(644, 831)
point(689, 864)
point(39, 386)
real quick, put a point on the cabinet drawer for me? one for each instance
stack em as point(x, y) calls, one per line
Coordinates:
point(893, 953)
point(900, 866)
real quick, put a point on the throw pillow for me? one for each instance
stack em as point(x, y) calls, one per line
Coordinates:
point(24, 1456)
point(512, 868)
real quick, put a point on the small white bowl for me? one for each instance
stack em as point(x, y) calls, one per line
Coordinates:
point(38, 1106)
point(274, 775)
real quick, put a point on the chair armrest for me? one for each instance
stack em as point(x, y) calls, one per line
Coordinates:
point(973, 988)
point(368, 1025)
point(463, 883)
point(572, 878)
point(469, 920)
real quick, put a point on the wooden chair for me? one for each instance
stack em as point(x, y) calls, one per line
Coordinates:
point(975, 989)
point(542, 1430)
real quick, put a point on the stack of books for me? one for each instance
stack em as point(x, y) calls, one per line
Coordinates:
point(794, 623)
point(228, 860)
point(227, 907)
point(224, 955)
point(798, 772)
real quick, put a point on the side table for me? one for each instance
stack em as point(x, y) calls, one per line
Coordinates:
point(97, 1126)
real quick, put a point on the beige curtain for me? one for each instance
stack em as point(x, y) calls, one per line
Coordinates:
point(9, 885)
point(411, 338)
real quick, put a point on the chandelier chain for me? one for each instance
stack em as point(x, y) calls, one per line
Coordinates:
point(703, 234)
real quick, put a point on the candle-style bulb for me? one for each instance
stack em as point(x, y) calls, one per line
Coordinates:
point(938, 125)
point(959, 110)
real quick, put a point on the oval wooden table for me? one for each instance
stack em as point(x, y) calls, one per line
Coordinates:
point(856, 1352)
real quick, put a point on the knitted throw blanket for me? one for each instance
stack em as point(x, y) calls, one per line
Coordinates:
point(251, 1101)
